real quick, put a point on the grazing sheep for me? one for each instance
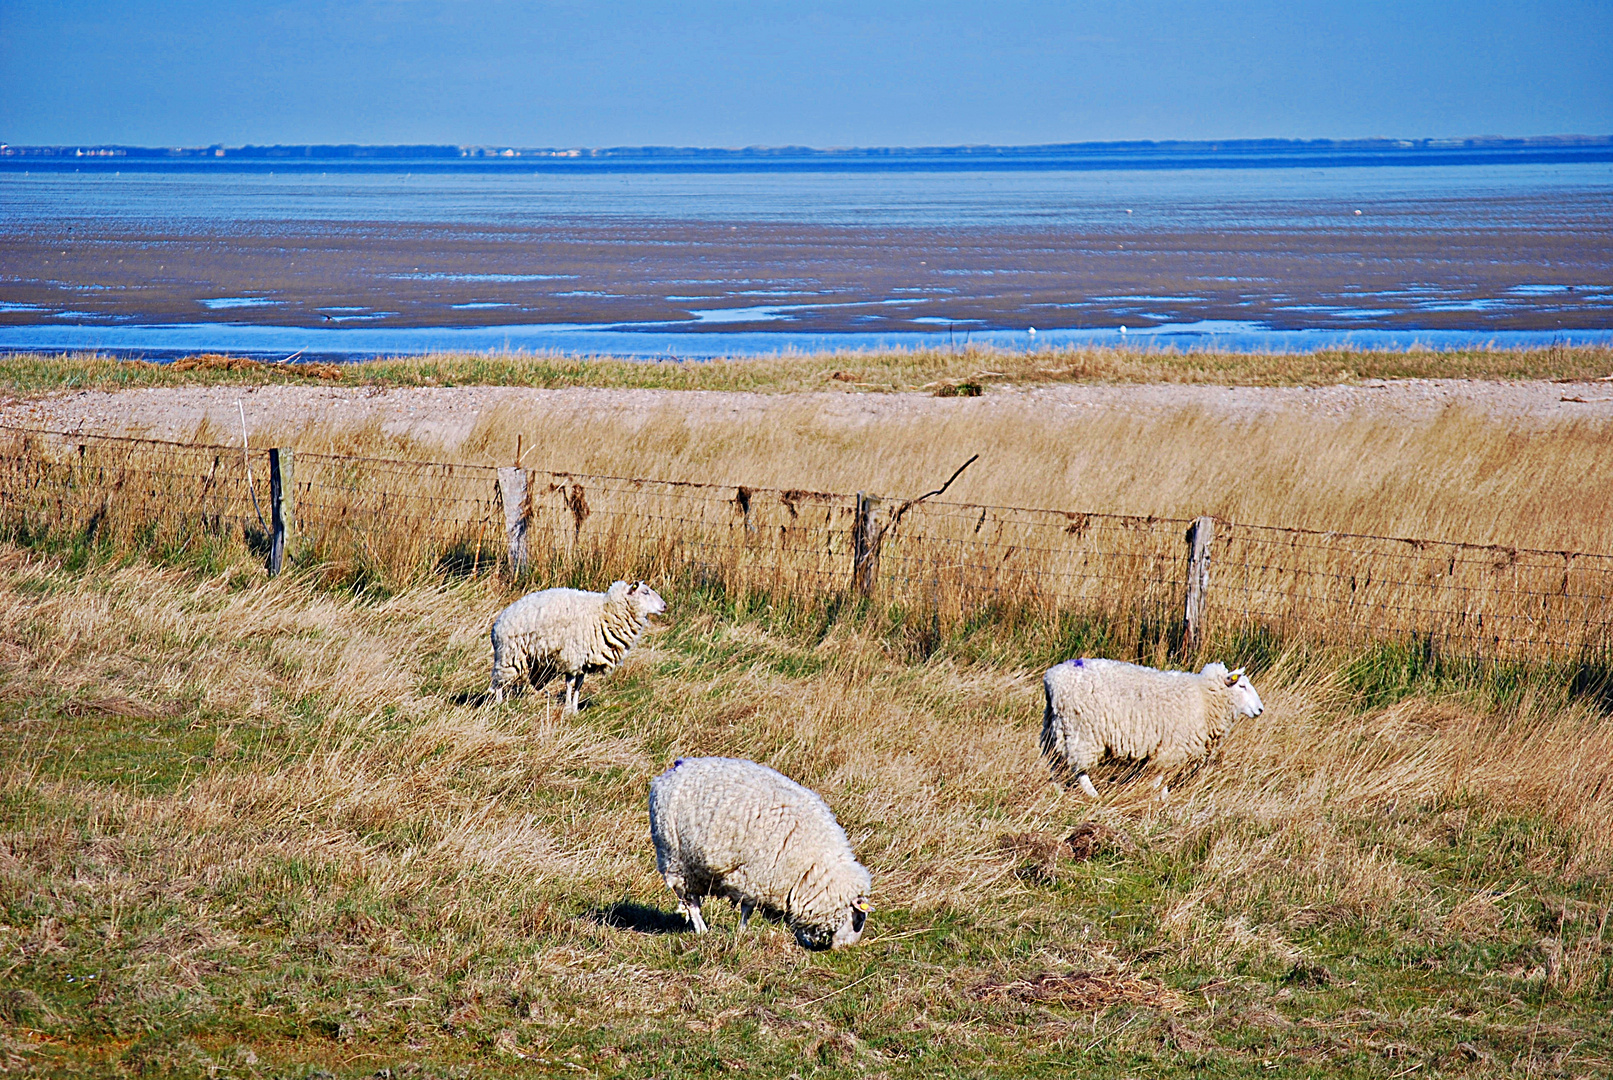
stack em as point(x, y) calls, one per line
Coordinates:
point(736, 829)
point(568, 632)
point(1111, 709)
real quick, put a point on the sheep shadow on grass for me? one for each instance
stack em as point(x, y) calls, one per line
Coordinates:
point(475, 699)
point(640, 918)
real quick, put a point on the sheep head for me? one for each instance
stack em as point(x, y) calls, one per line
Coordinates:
point(848, 931)
point(1245, 702)
point(643, 600)
point(646, 601)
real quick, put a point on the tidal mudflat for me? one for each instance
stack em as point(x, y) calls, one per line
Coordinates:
point(710, 276)
point(1501, 249)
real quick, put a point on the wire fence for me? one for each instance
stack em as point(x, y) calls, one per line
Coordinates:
point(392, 521)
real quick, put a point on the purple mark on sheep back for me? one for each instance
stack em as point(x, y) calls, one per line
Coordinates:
point(1077, 663)
point(676, 763)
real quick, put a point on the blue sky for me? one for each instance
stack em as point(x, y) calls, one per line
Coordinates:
point(759, 72)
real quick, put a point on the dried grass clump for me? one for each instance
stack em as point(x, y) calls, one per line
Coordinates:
point(219, 362)
point(1094, 838)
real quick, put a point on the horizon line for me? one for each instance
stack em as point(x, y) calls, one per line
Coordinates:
point(1379, 142)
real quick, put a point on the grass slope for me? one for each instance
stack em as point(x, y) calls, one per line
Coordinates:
point(254, 829)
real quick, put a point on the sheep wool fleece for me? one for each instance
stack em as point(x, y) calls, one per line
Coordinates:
point(569, 632)
point(735, 829)
point(1136, 713)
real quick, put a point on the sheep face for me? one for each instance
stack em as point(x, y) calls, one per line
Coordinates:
point(646, 601)
point(848, 932)
point(1245, 702)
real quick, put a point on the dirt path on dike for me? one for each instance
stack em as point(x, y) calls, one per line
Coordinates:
point(449, 414)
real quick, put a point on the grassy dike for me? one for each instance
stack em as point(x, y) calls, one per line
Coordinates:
point(255, 829)
point(25, 373)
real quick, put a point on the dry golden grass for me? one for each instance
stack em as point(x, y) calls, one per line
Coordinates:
point(1459, 475)
point(275, 826)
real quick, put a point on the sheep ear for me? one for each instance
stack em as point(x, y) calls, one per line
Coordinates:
point(1234, 676)
point(864, 905)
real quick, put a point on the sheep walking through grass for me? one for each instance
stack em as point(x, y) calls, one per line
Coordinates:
point(568, 632)
point(1098, 709)
point(733, 828)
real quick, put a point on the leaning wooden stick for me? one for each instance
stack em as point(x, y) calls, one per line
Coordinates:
point(909, 504)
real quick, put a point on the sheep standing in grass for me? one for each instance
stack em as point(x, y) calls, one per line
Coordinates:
point(1100, 709)
point(739, 830)
point(568, 632)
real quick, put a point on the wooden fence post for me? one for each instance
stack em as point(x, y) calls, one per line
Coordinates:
point(1199, 537)
point(282, 506)
point(512, 491)
point(865, 537)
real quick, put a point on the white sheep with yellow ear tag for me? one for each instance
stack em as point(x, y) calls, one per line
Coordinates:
point(1141, 717)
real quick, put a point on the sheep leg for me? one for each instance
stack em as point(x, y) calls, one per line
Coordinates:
point(1086, 784)
point(690, 909)
point(573, 691)
point(745, 909)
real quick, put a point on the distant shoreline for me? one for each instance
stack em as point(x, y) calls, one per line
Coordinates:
point(274, 342)
point(1223, 154)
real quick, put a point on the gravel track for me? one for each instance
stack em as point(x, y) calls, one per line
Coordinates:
point(448, 414)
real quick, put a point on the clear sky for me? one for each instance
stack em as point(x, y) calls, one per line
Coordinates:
point(762, 72)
